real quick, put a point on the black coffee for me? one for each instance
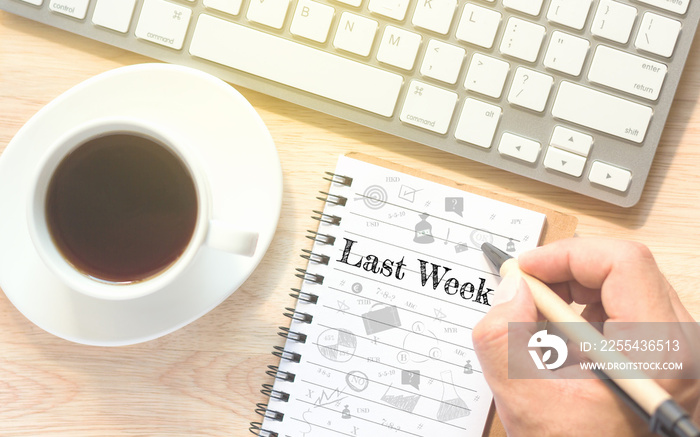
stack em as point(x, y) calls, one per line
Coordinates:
point(121, 208)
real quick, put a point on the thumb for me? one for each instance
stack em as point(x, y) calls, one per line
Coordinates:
point(513, 302)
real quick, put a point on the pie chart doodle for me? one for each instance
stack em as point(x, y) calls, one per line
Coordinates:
point(337, 344)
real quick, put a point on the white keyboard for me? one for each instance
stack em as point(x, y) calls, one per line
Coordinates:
point(574, 93)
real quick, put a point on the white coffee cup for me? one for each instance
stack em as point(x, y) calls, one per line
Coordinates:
point(207, 230)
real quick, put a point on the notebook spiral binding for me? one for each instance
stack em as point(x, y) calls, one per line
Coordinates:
point(307, 298)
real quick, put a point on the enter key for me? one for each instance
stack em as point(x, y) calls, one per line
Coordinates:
point(627, 72)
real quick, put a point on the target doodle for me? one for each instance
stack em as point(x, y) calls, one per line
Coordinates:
point(374, 197)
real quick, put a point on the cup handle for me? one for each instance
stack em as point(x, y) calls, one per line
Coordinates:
point(223, 236)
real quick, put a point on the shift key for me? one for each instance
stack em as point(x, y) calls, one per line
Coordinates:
point(602, 111)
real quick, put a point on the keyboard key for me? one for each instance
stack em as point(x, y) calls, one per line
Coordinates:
point(399, 47)
point(312, 20)
point(530, 89)
point(428, 106)
point(570, 13)
point(571, 140)
point(435, 15)
point(519, 147)
point(677, 6)
point(477, 123)
point(72, 8)
point(566, 53)
point(601, 111)
point(355, 3)
point(627, 72)
point(395, 9)
point(232, 7)
point(478, 25)
point(355, 34)
point(442, 61)
point(163, 23)
point(531, 7)
point(114, 14)
point(564, 162)
point(614, 20)
point(271, 13)
point(658, 34)
point(522, 39)
point(610, 176)
point(486, 75)
point(34, 2)
point(286, 62)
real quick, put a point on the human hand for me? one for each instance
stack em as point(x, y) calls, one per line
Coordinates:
point(616, 281)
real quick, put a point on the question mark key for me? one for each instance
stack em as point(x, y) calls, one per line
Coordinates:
point(530, 89)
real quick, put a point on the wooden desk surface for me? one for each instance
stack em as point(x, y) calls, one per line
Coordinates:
point(204, 379)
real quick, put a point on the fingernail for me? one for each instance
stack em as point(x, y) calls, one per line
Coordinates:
point(507, 289)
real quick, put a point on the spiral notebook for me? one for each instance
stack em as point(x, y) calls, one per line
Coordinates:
point(380, 339)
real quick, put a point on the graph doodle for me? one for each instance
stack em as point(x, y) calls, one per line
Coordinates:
point(327, 399)
point(405, 402)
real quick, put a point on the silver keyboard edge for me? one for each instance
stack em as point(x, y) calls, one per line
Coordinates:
point(527, 120)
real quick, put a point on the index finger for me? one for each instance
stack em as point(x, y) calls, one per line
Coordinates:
point(631, 285)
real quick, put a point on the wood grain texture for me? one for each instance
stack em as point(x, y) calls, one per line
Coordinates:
point(204, 379)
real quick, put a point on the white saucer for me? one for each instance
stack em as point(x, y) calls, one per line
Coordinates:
point(236, 151)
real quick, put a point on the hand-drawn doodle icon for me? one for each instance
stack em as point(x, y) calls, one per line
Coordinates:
point(334, 397)
point(418, 327)
point(306, 421)
point(454, 204)
point(468, 369)
point(396, 398)
point(411, 377)
point(356, 288)
point(407, 193)
point(423, 230)
point(337, 344)
point(461, 247)
point(416, 345)
point(356, 380)
point(439, 315)
point(342, 306)
point(346, 413)
point(374, 197)
point(510, 247)
point(382, 319)
point(451, 405)
point(480, 237)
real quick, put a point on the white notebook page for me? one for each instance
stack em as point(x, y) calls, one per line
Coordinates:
point(389, 350)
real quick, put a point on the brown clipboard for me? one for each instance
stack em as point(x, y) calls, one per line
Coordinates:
point(557, 226)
